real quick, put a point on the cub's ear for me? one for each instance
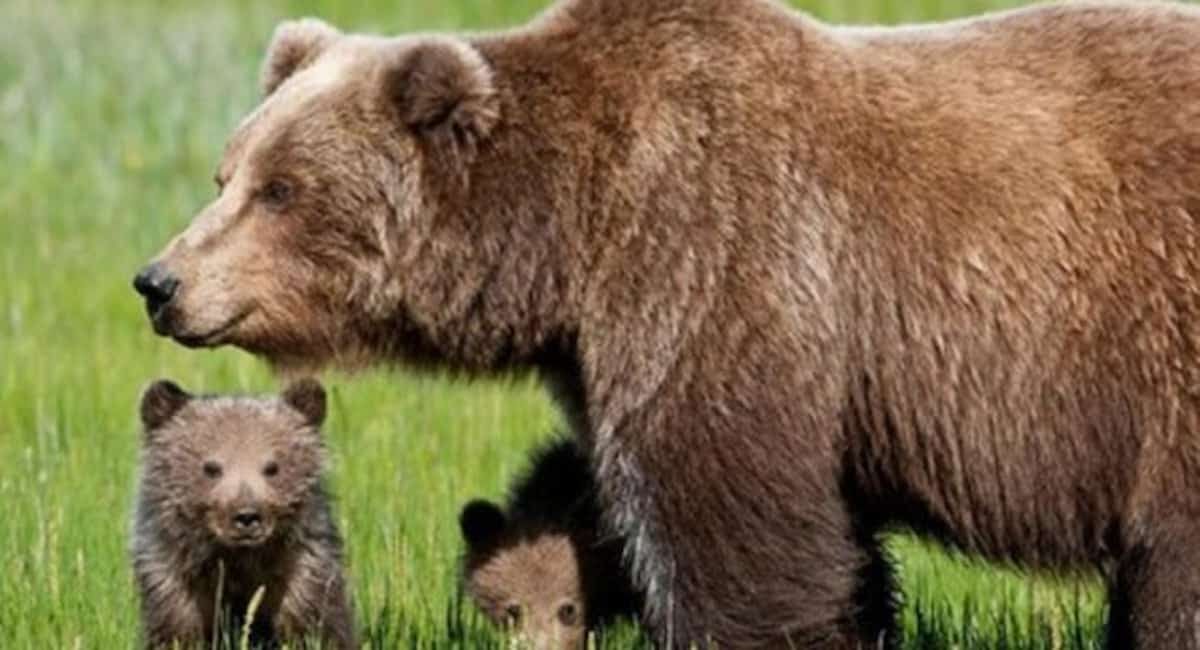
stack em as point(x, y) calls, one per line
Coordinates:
point(307, 396)
point(296, 44)
point(442, 89)
point(481, 522)
point(160, 402)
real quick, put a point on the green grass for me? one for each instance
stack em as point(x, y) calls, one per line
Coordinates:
point(112, 117)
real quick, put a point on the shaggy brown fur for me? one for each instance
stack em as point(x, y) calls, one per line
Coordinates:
point(230, 501)
point(541, 564)
point(791, 283)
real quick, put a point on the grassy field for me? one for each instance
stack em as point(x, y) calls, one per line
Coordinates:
point(112, 116)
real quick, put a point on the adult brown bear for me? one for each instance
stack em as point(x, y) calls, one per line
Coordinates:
point(791, 284)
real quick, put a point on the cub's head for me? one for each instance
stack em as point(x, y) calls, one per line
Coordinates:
point(531, 582)
point(328, 195)
point(240, 469)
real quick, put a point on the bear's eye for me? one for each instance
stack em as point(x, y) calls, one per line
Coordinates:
point(277, 193)
point(512, 615)
point(568, 614)
point(212, 469)
point(271, 469)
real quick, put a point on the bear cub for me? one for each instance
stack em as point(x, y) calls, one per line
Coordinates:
point(540, 566)
point(232, 518)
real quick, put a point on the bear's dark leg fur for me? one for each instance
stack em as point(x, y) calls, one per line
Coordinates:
point(1155, 592)
point(876, 594)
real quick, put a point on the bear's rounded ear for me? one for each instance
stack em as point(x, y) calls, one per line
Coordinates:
point(481, 523)
point(160, 402)
point(296, 44)
point(307, 396)
point(442, 88)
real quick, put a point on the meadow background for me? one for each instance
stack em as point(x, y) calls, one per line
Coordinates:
point(112, 118)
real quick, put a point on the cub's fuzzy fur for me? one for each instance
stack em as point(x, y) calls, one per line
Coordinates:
point(230, 502)
point(540, 564)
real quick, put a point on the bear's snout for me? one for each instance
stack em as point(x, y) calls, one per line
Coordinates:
point(247, 519)
point(245, 525)
point(157, 286)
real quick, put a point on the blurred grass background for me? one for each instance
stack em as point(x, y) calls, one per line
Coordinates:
point(112, 117)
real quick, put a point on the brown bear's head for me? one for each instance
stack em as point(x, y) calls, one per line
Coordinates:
point(336, 203)
point(239, 469)
point(530, 582)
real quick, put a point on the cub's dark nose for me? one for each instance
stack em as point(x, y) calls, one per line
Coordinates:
point(156, 285)
point(246, 519)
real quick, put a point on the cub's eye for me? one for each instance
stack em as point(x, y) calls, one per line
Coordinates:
point(220, 183)
point(277, 193)
point(271, 469)
point(212, 469)
point(568, 614)
point(512, 615)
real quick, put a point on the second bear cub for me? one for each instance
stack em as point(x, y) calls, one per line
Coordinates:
point(540, 565)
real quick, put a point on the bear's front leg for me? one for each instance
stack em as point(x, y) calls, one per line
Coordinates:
point(172, 615)
point(1155, 596)
point(738, 528)
point(315, 603)
point(173, 611)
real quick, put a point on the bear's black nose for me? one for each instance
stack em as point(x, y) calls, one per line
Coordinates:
point(156, 285)
point(244, 519)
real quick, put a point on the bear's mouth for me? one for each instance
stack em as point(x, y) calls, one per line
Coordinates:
point(209, 339)
point(245, 539)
